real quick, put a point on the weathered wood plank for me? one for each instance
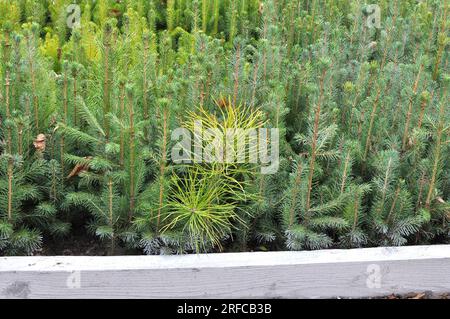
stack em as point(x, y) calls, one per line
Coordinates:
point(307, 274)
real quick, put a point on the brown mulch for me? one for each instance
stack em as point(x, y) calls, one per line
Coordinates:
point(417, 295)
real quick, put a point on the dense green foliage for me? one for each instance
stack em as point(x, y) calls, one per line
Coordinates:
point(363, 114)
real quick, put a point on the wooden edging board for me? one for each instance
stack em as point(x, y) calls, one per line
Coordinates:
point(365, 272)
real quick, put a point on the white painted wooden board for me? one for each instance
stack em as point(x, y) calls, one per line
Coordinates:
point(306, 274)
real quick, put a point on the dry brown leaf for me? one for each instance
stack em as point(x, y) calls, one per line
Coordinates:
point(39, 143)
point(79, 168)
point(261, 8)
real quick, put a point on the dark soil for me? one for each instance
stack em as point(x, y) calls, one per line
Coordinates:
point(80, 243)
point(74, 245)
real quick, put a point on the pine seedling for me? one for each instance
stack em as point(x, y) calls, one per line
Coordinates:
point(196, 207)
point(18, 187)
point(132, 152)
point(392, 212)
point(75, 70)
point(313, 153)
point(441, 131)
point(104, 207)
point(31, 48)
point(410, 105)
point(106, 76)
point(442, 39)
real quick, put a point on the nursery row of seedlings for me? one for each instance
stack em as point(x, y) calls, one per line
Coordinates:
point(88, 114)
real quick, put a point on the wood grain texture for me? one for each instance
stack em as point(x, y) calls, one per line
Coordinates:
point(307, 274)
